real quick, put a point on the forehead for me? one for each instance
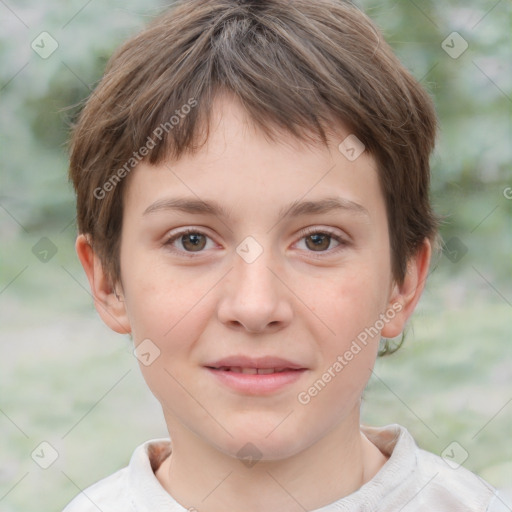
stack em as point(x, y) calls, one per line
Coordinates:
point(240, 166)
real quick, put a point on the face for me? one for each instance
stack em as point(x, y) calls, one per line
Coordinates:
point(248, 271)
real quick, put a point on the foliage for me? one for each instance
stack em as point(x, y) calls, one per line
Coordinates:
point(460, 347)
point(39, 96)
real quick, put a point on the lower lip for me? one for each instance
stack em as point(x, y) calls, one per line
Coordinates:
point(257, 384)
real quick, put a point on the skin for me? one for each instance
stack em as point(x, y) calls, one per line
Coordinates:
point(295, 301)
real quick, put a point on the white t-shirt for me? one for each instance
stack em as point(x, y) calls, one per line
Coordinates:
point(411, 480)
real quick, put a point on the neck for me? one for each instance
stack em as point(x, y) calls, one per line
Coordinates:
point(198, 475)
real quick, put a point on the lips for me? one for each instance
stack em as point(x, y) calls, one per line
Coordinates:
point(255, 376)
point(250, 370)
point(251, 365)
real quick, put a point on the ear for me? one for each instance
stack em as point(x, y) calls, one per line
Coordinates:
point(109, 303)
point(405, 296)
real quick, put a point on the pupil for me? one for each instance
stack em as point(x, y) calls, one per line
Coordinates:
point(193, 241)
point(319, 240)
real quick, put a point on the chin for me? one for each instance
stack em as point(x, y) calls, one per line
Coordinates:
point(263, 440)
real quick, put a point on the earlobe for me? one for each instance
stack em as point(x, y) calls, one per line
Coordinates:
point(108, 302)
point(405, 296)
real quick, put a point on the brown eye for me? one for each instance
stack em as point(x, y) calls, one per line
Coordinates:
point(320, 241)
point(193, 241)
point(190, 243)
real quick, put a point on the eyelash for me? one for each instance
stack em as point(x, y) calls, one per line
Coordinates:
point(303, 234)
point(331, 234)
point(176, 236)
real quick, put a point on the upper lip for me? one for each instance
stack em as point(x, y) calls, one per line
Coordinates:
point(255, 362)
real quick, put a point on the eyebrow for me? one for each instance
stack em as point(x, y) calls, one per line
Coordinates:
point(295, 209)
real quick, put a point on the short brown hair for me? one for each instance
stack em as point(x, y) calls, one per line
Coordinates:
point(295, 65)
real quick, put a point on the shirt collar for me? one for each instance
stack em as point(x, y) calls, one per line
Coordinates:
point(147, 494)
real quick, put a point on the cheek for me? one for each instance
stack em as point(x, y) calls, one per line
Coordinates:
point(352, 301)
point(159, 298)
point(350, 307)
point(169, 311)
point(170, 314)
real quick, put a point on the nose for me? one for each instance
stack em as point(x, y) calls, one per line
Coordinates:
point(255, 297)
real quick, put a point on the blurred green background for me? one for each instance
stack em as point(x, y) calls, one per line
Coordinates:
point(69, 381)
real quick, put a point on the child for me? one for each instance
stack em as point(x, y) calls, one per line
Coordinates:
point(252, 183)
